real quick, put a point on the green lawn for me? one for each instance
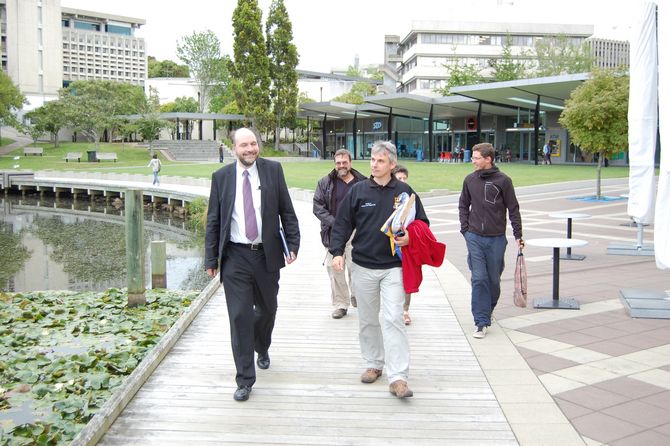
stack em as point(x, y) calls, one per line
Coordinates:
point(423, 176)
point(5, 141)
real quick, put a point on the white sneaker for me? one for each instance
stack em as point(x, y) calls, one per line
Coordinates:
point(480, 332)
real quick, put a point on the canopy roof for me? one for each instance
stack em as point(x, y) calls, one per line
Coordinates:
point(496, 98)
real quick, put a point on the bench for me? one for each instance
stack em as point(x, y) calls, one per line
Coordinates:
point(33, 151)
point(110, 156)
point(73, 156)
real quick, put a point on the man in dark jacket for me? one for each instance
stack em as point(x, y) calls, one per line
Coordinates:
point(247, 202)
point(329, 192)
point(377, 272)
point(487, 196)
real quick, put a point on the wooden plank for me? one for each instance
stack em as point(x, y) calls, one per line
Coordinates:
point(312, 393)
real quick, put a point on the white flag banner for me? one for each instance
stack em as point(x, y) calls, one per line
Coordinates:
point(642, 115)
point(662, 219)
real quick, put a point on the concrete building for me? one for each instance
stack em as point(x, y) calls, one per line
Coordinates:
point(45, 46)
point(102, 46)
point(31, 47)
point(431, 46)
point(608, 53)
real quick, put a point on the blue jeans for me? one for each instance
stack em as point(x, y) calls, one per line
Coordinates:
point(156, 180)
point(486, 260)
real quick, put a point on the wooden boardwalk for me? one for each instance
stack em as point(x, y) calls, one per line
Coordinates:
point(312, 394)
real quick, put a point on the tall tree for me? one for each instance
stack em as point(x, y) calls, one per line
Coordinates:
point(201, 52)
point(509, 67)
point(165, 68)
point(283, 56)
point(250, 69)
point(49, 118)
point(357, 93)
point(11, 100)
point(596, 115)
point(557, 55)
point(150, 124)
point(221, 94)
point(94, 106)
point(461, 74)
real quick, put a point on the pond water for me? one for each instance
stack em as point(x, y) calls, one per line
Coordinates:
point(62, 244)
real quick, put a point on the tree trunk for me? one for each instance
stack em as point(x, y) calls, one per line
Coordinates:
point(601, 154)
point(277, 133)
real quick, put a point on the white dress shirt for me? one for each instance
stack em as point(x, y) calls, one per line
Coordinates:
point(237, 227)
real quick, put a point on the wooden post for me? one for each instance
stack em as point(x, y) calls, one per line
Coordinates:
point(134, 246)
point(158, 264)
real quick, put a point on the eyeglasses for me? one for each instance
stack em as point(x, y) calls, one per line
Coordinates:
point(477, 157)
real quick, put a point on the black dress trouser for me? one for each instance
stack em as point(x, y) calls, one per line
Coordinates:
point(251, 297)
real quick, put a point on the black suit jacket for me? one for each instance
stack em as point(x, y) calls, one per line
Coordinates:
point(276, 206)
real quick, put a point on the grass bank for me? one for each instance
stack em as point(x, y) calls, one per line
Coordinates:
point(424, 176)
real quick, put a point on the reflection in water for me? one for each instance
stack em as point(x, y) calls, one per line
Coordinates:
point(80, 245)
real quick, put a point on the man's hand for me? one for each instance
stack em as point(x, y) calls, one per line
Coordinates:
point(211, 272)
point(291, 258)
point(338, 263)
point(520, 243)
point(401, 240)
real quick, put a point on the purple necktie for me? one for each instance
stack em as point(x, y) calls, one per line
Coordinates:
point(250, 226)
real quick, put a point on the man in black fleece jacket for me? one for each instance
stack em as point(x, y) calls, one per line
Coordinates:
point(487, 196)
point(377, 272)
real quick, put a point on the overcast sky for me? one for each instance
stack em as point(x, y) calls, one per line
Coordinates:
point(330, 33)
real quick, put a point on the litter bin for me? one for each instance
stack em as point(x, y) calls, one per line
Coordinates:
point(92, 156)
point(466, 156)
point(419, 154)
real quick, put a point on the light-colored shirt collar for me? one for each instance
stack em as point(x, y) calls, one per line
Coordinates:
point(253, 170)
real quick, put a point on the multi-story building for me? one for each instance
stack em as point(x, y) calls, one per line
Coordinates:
point(429, 49)
point(608, 53)
point(46, 46)
point(102, 46)
point(31, 49)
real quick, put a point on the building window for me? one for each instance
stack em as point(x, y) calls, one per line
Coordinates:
point(88, 26)
point(65, 23)
point(116, 29)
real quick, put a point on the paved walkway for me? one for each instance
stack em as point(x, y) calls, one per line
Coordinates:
point(593, 376)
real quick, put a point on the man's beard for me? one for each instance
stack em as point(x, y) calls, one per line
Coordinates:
point(246, 163)
point(342, 172)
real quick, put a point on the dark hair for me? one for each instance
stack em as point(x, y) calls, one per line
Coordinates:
point(155, 156)
point(485, 149)
point(400, 169)
point(341, 152)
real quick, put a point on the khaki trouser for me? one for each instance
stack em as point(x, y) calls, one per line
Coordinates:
point(340, 281)
point(383, 343)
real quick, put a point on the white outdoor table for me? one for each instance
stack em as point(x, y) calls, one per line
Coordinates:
point(570, 216)
point(557, 243)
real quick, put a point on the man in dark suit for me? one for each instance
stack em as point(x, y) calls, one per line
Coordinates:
point(247, 202)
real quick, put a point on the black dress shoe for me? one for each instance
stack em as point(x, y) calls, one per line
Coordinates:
point(263, 361)
point(242, 393)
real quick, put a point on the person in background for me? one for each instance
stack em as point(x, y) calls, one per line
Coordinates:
point(546, 151)
point(377, 271)
point(486, 198)
point(329, 193)
point(248, 204)
point(221, 153)
point(155, 165)
point(402, 174)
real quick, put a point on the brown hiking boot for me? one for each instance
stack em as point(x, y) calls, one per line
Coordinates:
point(339, 313)
point(370, 375)
point(399, 388)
